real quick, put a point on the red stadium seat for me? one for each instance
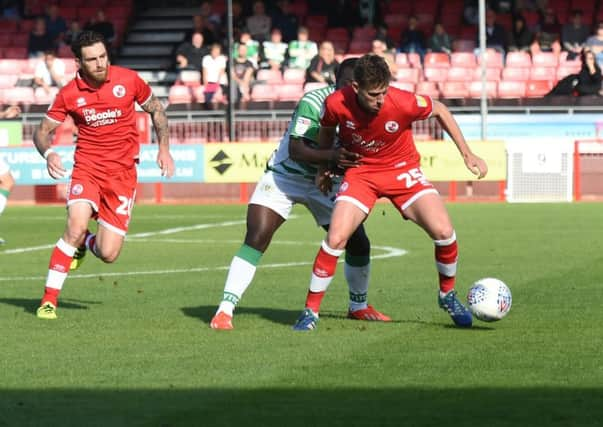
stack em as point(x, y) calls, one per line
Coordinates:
point(337, 34)
point(294, 75)
point(180, 94)
point(492, 57)
point(463, 45)
point(439, 60)
point(8, 26)
point(26, 25)
point(543, 73)
point(269, 76)
point(400, 7)
point(459, 74)
point(8, 80)
point(511, 89)
point(428, 88)
point(475, 89)
point(518, 59)
point(198, 94)
point(364, 33)
point(407, 86)
point(454, 89)
point(15, 52)
point(18, 95)
point(516, 73)
point(401, 60)
point(314, 85)
point(289, 91)
point(190, 77)
point(415, 60)
point(44, 98)
point(564, 71)
point(545, 59)
point(408, 75)
point(492, 74)
point(12, 66)
point(538, 88)
point(263, 92)
point(463, 59)
point(436, 74)
point(360, 46)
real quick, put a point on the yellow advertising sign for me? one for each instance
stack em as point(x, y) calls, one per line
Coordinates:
point(236, 162)
point(441, 160)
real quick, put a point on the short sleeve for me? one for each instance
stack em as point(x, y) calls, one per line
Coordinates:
point(141, 89)
point(422, 106)
point(57, 111)
point(305, 121)
point(327, 113)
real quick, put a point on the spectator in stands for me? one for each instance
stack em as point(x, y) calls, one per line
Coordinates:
point(496, 35)
point(520, 37)
point(214, 72)
point(302, 50)
point(378, 47)
point(595, 44)
point(49, 72)
point(369, 12)
point(212, 20)
point(200, 26)
point(99, 24)
point(274, 51)
point(238, 18)
point(285, 20)
point(382, 34)
point(259, 24)
point(502, 6)
point(189, 55)
point(243, 71)
point(548, 36)
point(574, 35)
point(589, 77)
point(72, 32)
point(413, 39)
point(253, 47)
point(440, 41)
point(39, 39)
point(323, 66)
point(471, 12)
point(55, 24)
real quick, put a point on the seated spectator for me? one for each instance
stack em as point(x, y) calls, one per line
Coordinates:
point(214, 72)
point(253, 47)
point(595, 44)
point(496, 36)
point(285, 20)
point(302, 50)
point(39, 39)
point(413, 39)
point(586, 82)
point(212, 20)
point(99, 24)
point(72, 32)
point(323, 66)
point(259, 23)
point(383, 35)
point(189, 55)
point(49, 72)
point(238, 18)
point(574, 35)
point(243, 71)
point(274, 51)
point(200, 26)
point(548, 36)
point(55, 24)
point(379, 48)
point(520, 37)
point(440, 41)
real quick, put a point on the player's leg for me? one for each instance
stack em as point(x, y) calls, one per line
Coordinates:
point(6, 185)
point(429, 212)
point(78, 215)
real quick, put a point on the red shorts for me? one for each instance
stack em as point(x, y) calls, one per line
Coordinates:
point(402, 185)
point(111, 196)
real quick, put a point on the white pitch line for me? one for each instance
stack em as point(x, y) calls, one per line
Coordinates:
point(390, 253)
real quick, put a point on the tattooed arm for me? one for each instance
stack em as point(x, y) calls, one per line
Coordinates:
point(42, 142)
point(164, 158)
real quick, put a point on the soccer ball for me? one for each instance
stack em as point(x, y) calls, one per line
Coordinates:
point(489, 299)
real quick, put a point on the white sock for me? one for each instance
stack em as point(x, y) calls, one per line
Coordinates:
point(358, 282)
point(239, 278)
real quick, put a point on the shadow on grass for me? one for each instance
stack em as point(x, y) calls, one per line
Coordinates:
point(304, 406)
point(30, 305)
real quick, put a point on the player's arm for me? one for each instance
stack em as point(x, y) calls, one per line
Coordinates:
point(160, 123)
point(474, 163)
point(41, 138)
point(302, 152)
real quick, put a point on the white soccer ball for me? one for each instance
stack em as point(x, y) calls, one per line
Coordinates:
point(489, 299)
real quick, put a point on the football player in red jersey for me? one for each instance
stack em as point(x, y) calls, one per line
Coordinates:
point(374, 120)
point(101, 100)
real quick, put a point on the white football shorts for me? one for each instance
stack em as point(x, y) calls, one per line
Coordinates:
point(280, 192)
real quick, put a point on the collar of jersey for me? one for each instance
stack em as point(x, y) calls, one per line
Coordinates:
point(82, 84)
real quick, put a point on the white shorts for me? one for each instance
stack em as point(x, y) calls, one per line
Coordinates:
point(4, 168)
point(280, 192)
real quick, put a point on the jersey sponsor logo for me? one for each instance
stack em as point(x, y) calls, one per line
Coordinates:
point(372, 146)
point(119, 91)
point(101, 118)
point(392, 126)
point(302, 124)
point(421, 101)
point(350, 124)
point(77, 189)
point(81, 101)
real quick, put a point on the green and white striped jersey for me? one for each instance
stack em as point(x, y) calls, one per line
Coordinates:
point(305, 123)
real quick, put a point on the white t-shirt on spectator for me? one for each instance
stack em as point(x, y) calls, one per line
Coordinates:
point(213, 67)
point(58, 68)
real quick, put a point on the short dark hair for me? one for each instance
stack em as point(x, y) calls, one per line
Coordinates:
point(372, 71)
point(85, 39)
point(345, 72)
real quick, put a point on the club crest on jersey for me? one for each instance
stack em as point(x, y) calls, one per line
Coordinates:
point(119, 91)
point(81, 101)
point(421, 101)
point(344, 186)
point(77, 189)
point(302, 124)
point(392, 126)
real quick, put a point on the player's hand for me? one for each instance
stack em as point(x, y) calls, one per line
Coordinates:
point(55, 166)
point(324, 181)
point(346, 159)
point(165, 163)
point(476, 165)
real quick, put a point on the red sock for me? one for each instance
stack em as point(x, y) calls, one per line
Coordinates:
point(313, 300)
point(51, 295)
point(58, 268)
point(446, 256)
point(323, 271)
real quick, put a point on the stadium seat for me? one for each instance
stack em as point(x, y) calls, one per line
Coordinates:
point(408, 75)
point(65, 51)
point(492, 74)
point(538, 88)
point(294, 75)
point(463, 59)
point(439, 60)
point(11, 66)
point(44, 98)
point(289, 91)
point(564, 71)
point(543, 73)
point(15, 52)
point(492, 57)
point(454, 90)
point(18, 95)
point(408, 86)
point(518, 59)
point(269, 76)
point(396, 20)
point(299, 8)
point(360, 46)
point(428, 88)
point(545, 59)
point(26, 25)
point(180, 94)
point(19, 40)
point(364, 33)
point(190, 77)
point(415, 60)
point(263, 92)
point(475, 89)
point(198, 94)
point(8, 26)
point(8, 80)
point(337, 34)
point(314, 85)
point(399, 7)
point(463, 45)
point(508, 89)
point(459, 74)
point(436, 74)
point(401, 60)
point(85, 13)
point(516, 73)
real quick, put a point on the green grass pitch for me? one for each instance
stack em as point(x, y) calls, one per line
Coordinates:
point(132, 346)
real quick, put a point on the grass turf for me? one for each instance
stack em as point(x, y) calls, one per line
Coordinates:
point(132, 344)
